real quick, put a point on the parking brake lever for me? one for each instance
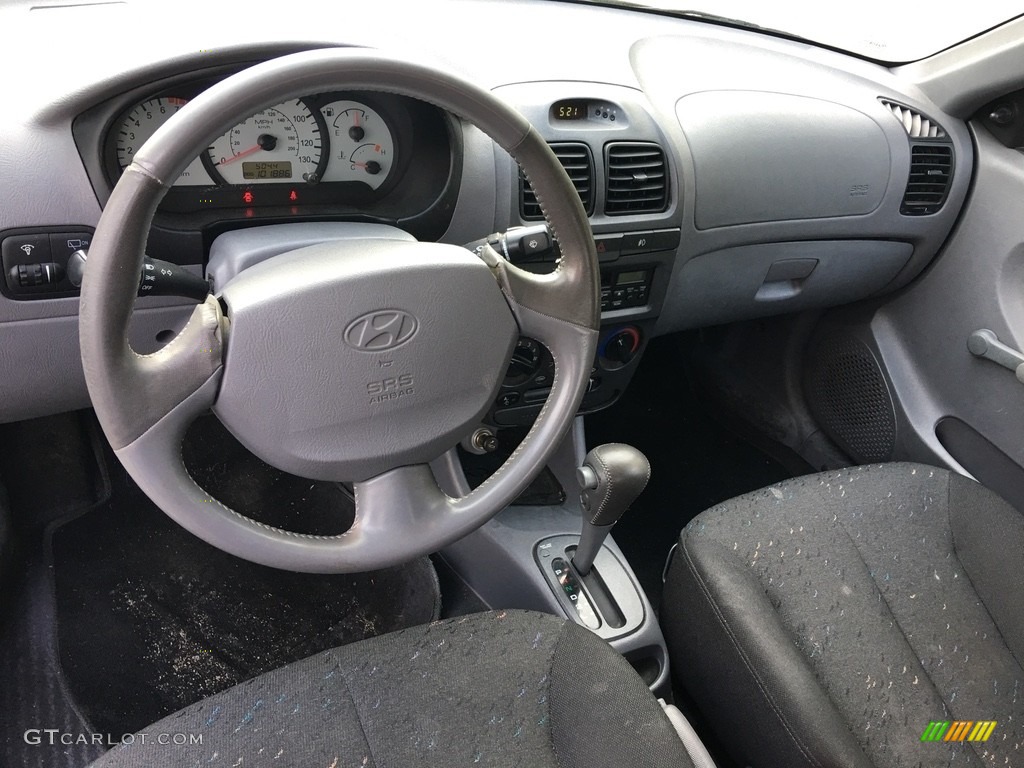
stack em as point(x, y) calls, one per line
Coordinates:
point(158, 278)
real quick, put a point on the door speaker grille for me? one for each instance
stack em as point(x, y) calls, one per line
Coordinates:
point(849, 397)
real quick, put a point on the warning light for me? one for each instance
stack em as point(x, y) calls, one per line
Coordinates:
point(293, 196)
point(247, 196)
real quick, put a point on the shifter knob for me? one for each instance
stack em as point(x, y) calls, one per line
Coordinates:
point(612, 476)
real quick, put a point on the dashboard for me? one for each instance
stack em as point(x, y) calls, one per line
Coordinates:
point(727, 174)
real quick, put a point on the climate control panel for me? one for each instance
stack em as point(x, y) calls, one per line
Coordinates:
point(528, 380)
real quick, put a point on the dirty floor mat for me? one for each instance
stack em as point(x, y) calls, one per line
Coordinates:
point(151, 619)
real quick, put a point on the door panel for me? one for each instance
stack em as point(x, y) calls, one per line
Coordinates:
point(976, 282)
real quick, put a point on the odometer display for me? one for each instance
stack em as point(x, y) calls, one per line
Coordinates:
point(280, 169)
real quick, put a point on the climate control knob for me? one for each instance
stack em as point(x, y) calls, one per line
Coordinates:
point(620, 347)
point(526, 361)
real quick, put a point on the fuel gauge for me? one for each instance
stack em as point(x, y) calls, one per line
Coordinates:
point(362, 147)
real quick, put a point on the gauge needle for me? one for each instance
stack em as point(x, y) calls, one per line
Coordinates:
point(240, 155)
point(264, 142)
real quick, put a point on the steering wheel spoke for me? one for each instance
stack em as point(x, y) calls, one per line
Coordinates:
point(400, 500)
point(179, 369)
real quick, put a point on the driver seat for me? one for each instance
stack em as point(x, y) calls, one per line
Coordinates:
point(496, 689)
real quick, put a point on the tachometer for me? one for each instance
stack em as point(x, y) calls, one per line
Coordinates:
point(141, 122)
point(362, 147)
point(283, 143)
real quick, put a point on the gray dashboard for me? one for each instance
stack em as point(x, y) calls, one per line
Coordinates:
point(786, 165)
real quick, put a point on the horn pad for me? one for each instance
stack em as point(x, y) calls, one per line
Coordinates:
point(347, 359)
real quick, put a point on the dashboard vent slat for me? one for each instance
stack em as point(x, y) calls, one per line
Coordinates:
point(636, 179)
point(931, 170)
point(579, 166)
point(916, 125)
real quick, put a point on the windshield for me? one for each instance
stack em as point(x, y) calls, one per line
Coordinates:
point(878, 29)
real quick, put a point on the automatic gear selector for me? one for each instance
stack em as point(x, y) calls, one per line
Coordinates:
point(611, 478)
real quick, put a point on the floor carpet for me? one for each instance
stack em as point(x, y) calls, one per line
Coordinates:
point(117, 616)
point(696, 462)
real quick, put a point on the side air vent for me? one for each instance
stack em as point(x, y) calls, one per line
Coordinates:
point(916, 125)
point(637, 179)
point(578, 164)
point(931, 170)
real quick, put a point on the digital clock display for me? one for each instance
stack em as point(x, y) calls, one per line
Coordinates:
point(270, 169)
point(571, 109)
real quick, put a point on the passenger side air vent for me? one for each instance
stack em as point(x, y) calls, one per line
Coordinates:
point(931, 170)
point(916, 125)
point(637, 179)
point(578, 164)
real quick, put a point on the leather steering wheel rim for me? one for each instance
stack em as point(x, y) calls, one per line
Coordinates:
point(145, 403)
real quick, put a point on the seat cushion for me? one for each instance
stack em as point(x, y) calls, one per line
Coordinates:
point(827, 620)
point(496, 689)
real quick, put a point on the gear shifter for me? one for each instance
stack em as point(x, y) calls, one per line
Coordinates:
point(612, 476)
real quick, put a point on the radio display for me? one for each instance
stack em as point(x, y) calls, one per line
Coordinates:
point(269, 169)
point(632, 277)
point(570, 109)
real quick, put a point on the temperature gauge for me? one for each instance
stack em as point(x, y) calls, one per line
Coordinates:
point(362, 147)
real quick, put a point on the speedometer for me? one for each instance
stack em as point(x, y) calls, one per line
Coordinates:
point(283, 143)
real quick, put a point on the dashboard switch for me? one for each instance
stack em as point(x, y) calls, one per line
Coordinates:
point(63, 244)
point(535, 244)
point(35, 261)
point(30, 251)
point(33, 275)
point(649, 242)
point(608, 247)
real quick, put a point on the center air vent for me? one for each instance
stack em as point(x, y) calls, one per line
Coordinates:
point(637, 179)
point(931, 170)
point(578, 164)
point(916, 125)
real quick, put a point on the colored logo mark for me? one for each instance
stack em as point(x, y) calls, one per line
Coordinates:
point(958, 730)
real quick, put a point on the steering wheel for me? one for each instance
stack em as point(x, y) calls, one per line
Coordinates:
point(352, 361)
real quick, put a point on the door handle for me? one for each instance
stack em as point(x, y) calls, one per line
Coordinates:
point(984, 343)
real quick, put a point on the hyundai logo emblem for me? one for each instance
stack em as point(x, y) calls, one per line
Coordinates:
point(381, 330)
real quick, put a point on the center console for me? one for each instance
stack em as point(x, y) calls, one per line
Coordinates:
point(522, 559)
point(613, 152)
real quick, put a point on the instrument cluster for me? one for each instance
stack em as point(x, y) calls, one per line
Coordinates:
point(328, 150)
point(340, 140)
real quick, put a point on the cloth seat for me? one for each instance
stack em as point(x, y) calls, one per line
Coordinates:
point(827, 620)
point(512, 688)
